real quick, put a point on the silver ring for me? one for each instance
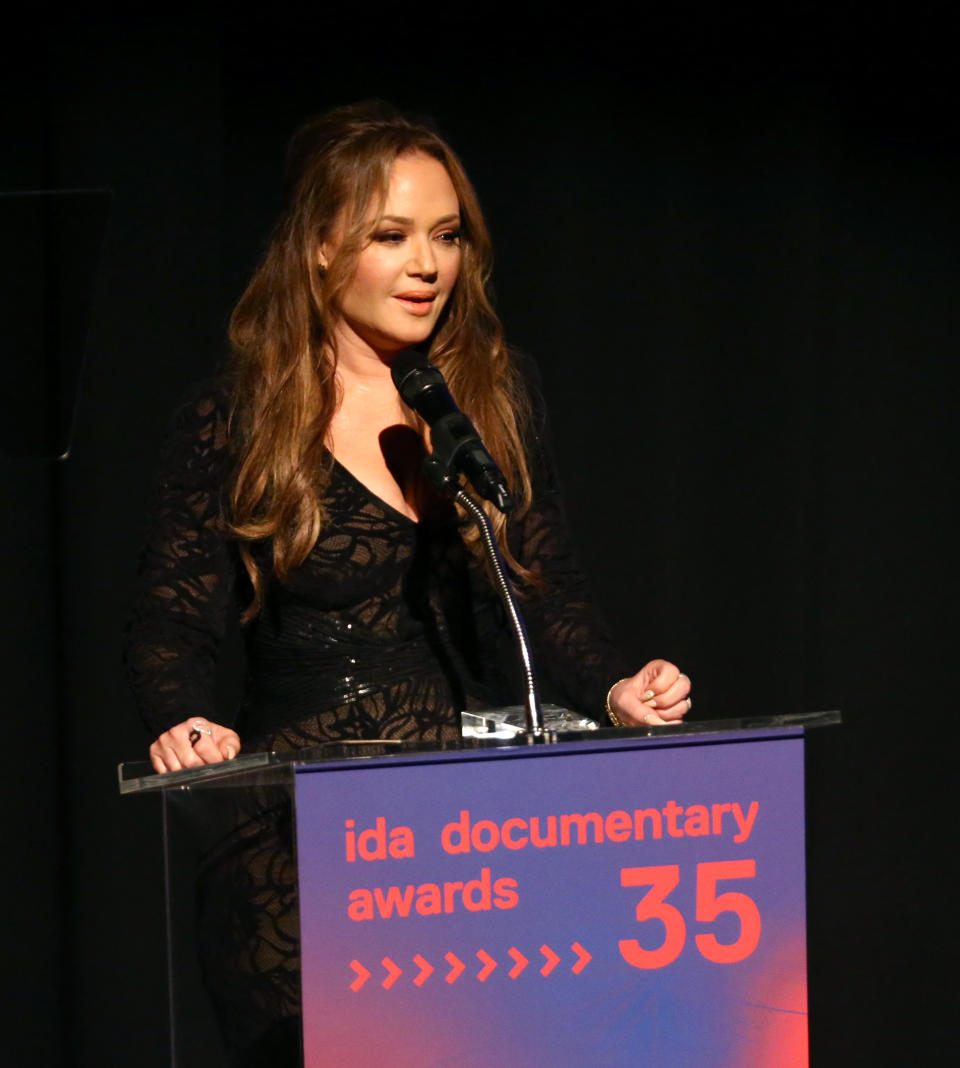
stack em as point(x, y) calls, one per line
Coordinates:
point(197, 731)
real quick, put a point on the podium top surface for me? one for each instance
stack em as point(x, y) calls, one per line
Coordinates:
point(138, 777)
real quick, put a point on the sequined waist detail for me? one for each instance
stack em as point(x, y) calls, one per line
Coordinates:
point(327, 662)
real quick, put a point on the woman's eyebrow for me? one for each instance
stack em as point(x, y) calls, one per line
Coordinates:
point(404, 221)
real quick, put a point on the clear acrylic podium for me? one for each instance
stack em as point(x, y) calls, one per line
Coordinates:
point(600, 896)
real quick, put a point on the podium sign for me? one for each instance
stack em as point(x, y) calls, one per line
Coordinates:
point(610, 902)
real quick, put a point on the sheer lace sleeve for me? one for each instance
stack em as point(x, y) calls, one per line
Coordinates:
point(576, 656)
point(187, 571)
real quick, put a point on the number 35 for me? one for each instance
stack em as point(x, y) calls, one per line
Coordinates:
point(653, 906)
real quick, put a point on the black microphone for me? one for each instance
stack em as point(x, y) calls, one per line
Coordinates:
point(456, 443)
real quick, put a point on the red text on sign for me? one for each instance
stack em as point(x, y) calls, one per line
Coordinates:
point(663, 880)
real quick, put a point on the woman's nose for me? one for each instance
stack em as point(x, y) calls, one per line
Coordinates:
point(423, 261)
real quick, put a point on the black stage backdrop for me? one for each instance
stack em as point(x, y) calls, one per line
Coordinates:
point(731, 247)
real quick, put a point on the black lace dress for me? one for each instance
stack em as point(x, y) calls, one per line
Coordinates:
point(388, 630)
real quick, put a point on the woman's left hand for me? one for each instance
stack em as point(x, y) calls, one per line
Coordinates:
point(658, 695)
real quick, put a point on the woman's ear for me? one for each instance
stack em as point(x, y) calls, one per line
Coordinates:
point(326, 249)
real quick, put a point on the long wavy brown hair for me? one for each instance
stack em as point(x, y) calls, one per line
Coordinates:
point(284, 385)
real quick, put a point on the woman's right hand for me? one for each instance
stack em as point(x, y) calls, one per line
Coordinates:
point(193, 743)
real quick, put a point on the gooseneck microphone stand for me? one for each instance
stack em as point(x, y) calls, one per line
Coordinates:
point(441, 474)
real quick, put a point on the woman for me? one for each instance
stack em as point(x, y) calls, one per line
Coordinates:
point(304, 467)
point(291, 491)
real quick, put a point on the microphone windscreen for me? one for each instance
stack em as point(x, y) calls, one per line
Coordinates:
point(421, 385)
point(404, 364)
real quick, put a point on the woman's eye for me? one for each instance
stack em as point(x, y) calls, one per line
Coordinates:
point(450, 237)
point(389, 237)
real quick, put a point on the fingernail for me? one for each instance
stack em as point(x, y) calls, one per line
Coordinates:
point(649, 695)
point(229, 749)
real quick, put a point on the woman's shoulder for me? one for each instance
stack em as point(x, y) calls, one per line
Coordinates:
point(202, 415)
point(198, 432)
point(535, 427)
point(525, 366)
point(204, 403)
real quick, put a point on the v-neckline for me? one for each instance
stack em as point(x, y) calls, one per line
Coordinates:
point(374, 496)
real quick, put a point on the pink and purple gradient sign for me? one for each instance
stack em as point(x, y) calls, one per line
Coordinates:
point(618, 903)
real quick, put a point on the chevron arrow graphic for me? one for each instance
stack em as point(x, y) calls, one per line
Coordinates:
point(552, 960)
point(426, 969)
point(456, 967)
point(488, 965)
point(583, 960)
point(520, 962)
point(393, 971)
point(362, 975)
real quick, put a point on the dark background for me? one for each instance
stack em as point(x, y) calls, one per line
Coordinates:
point(731, 245)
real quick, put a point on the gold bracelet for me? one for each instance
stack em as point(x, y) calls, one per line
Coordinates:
point(614, 718)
